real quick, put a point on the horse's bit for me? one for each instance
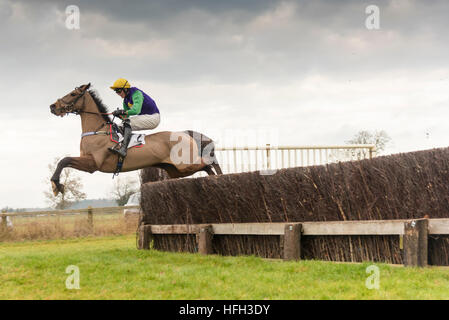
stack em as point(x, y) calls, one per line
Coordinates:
point(68, 108)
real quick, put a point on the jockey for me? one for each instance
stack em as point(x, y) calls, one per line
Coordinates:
point(139, 112)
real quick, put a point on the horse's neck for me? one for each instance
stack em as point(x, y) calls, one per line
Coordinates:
point(90, 121)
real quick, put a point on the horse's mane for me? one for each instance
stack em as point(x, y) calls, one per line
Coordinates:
point(100, 105)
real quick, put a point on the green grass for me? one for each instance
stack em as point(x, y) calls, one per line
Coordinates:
point(112, 268)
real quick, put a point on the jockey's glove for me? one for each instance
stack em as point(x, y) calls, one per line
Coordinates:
point(119, 112)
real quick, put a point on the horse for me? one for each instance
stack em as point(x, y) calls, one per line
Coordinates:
point(180, 154)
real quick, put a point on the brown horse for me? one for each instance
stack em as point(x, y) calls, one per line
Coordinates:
point(181, 154)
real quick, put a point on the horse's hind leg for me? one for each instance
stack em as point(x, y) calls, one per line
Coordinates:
point(209, 170)
point(216, 166)
point(171, 170)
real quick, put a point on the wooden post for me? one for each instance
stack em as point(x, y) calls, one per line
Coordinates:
point(90, 219)
point(205, 236)
point(145, 237)
point(372, 152)
point(268, 157)
point(415, 243)
point(4, 224)
point(292, 241)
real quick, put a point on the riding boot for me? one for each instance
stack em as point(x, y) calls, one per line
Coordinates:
point(126, 138)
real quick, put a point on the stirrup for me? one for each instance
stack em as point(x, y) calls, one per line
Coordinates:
point(119, 151)
point(115, 148)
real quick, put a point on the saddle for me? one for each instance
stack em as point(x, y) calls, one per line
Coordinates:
point(116, 135)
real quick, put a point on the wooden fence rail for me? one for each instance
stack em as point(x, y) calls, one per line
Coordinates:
point(89, 211)
point(104, 210)
point(413, 234)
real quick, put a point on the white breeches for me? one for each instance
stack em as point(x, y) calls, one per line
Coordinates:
point(145, 121)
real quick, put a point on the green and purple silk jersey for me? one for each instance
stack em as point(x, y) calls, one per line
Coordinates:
point(138, 102)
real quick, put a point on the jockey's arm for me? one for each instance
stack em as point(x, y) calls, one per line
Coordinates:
point(137, 104)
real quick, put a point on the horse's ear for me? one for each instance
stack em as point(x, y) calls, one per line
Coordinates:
point(87, 86)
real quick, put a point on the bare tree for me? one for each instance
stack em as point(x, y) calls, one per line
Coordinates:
point(123, 188)
point(72, 188)
point(379, 138)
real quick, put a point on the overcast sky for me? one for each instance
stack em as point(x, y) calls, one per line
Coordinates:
point(305, 72)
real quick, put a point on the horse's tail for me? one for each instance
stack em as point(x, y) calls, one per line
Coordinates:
point(206, 148)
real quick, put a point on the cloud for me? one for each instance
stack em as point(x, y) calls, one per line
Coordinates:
point(270, 41)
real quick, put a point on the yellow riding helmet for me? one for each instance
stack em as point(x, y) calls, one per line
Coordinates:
point(120, 84)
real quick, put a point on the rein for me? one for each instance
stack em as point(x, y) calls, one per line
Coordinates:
point(100, 113)
point(69, 108)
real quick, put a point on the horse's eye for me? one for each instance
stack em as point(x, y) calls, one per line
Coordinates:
point(73, 94)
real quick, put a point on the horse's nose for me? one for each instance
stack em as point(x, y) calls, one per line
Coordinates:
point(52, 107)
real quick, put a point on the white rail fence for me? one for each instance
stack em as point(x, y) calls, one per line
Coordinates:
point(245, 159)
point(6, 222)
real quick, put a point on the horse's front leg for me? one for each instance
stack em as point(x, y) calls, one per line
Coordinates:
point(85, 163)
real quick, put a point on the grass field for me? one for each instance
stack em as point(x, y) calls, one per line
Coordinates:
point(112, 268)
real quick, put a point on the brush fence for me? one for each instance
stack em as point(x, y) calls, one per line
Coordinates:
point(412, 235)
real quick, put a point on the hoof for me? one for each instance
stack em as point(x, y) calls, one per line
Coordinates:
point(57, 187)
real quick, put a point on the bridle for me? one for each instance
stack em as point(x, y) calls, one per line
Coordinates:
point(68, 107)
